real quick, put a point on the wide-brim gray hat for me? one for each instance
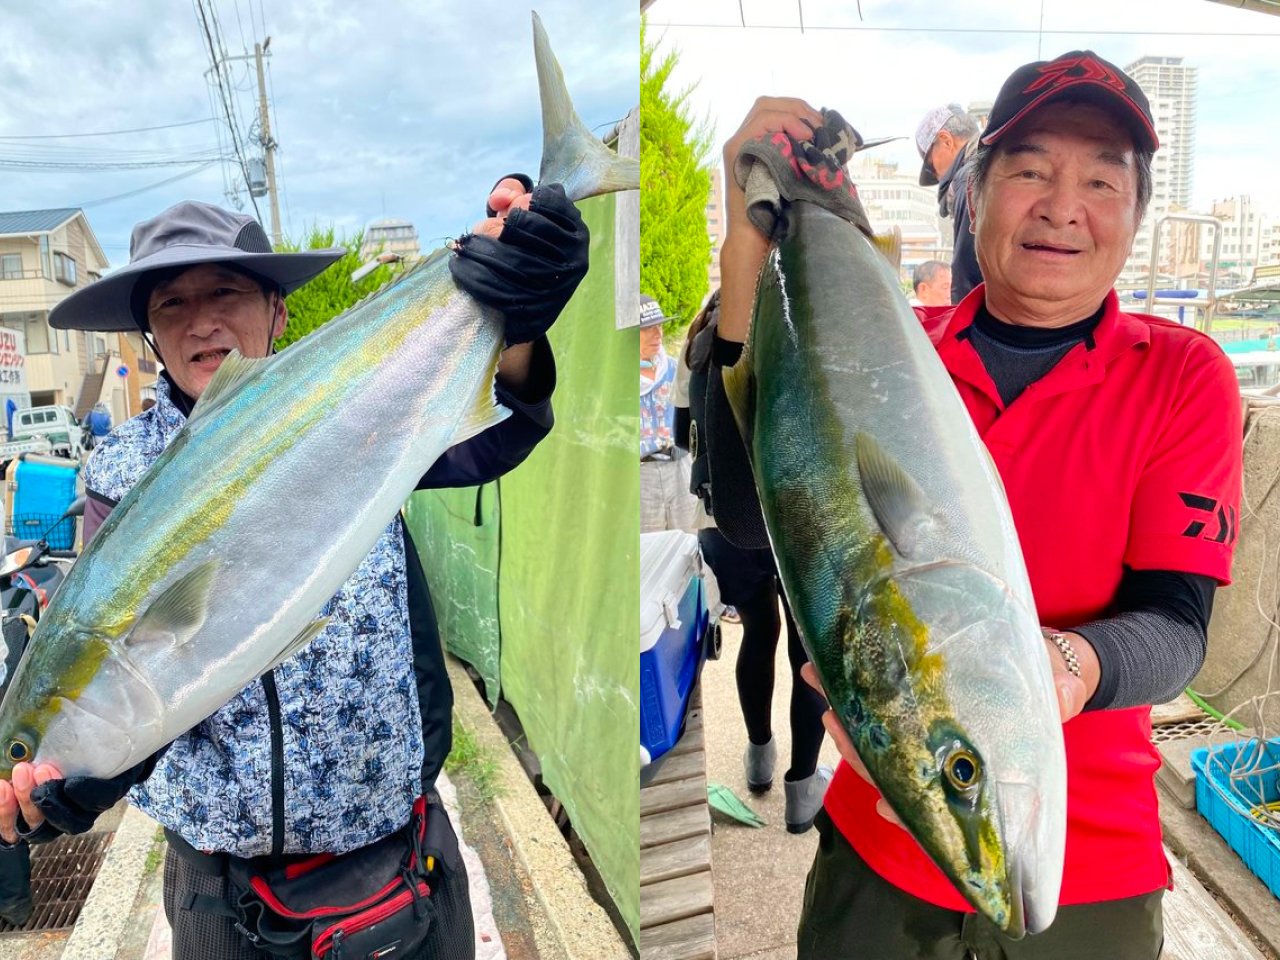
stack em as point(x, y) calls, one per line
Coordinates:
point(187, 234)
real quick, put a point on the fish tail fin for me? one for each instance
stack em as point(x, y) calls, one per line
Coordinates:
point(570, 154)
point(485, 411)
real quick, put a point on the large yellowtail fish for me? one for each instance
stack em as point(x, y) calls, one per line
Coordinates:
point(897, 551)
point(172, 610)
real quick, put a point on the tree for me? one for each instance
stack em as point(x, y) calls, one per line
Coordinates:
point(675, 184)
point(316, 303)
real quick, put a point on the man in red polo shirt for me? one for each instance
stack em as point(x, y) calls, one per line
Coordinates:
point(1118, 438)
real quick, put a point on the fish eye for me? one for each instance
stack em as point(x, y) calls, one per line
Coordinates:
point(962, 769)
point(19, 751)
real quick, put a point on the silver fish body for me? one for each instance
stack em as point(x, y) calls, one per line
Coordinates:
point(897, 550)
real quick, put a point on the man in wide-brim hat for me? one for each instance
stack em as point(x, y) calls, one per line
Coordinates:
point(272, 773)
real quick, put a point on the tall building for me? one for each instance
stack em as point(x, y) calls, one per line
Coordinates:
point(715, 226)
point(1170, 86)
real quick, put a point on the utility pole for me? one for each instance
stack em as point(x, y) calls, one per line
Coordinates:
point(268, 144)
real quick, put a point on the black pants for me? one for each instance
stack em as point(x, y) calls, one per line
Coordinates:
point(199, 935)
point(852, 913)
point(748, 582)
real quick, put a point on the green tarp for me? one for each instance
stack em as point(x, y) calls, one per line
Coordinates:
point(537, 583)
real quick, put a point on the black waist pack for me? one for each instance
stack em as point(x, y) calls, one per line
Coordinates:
point(369, 903)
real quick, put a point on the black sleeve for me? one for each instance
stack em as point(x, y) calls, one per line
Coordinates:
point(1156, 641)
point(435, 693)
point(965, 273)
point(737, 506)
point(504, 447)
point(681, 435)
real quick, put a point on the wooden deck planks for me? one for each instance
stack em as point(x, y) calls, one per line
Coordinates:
point(677, 919)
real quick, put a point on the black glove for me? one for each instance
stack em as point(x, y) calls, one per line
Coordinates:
point(72, 805)
point(531, 270)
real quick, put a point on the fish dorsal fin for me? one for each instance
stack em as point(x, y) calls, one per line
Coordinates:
point(902, 510)
point(486, 410)
point(234, 370)
point(175, 616)
point(294, 646)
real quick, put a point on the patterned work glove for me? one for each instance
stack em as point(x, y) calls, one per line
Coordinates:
point(531, 270)
point(72, 805)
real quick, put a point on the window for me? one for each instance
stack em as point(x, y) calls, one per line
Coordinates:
point(64, 269)
point(45, 259)
point(11, 266)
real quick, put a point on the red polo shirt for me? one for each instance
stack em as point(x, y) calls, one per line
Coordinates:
point(1128, 453)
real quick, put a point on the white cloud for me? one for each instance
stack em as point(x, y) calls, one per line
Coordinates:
point(409, 107)
point(906, 56)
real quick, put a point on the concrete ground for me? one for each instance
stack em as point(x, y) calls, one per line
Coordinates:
point(758, 873)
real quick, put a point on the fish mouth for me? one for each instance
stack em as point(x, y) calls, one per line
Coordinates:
point(1033, 884)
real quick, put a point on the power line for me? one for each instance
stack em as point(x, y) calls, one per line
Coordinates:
point(109, 133)
point(809, 28)
point(12, 164)
point(226, 105)
point(150, 186)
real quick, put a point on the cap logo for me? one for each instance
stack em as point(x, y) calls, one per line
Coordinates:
point(1062, 71)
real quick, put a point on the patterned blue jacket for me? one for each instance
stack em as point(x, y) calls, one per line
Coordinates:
point(347, 715)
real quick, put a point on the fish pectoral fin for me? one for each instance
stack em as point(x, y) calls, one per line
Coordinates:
point(486, 411)
point(175, 615)
point(234, 370)
point(901, 508)
point(309, 633)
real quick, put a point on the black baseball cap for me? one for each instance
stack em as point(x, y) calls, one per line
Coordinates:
point(1082, 74)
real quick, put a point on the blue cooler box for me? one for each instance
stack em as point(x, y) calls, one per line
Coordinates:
point(43, 488)
point(673, 623)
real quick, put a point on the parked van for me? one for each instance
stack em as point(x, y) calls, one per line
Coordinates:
point(58, 425)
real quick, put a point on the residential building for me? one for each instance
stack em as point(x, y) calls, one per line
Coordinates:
point(895, 199)
point(44, 256)
point(716, 226)
point(1248, 239)
point(390, 236)
point(1171, 89)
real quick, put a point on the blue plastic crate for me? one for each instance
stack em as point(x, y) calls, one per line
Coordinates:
point(43, 491)
point(1225, 801)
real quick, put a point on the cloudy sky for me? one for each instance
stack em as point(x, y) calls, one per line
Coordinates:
point(403, 108)
point(885, 71)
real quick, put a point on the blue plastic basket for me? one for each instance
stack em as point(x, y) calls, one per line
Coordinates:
point(1225, 801)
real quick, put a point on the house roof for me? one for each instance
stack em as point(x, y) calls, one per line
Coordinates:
point(25, 222)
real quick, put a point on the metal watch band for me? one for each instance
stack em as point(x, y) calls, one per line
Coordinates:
point(1060, 641)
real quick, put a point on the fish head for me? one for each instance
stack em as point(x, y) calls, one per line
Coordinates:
point(979, 775)
point(81, 715)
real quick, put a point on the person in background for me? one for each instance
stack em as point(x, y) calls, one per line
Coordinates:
point(931, 282)
point(946, 139)
point(747, 579)
point(665, 501)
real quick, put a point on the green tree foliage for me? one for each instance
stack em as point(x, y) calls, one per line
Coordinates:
point(675, 184)
point(316, 303)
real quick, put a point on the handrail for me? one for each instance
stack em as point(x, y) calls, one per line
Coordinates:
point(1211, 295)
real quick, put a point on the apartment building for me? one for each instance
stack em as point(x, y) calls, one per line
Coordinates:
point(44, 256)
